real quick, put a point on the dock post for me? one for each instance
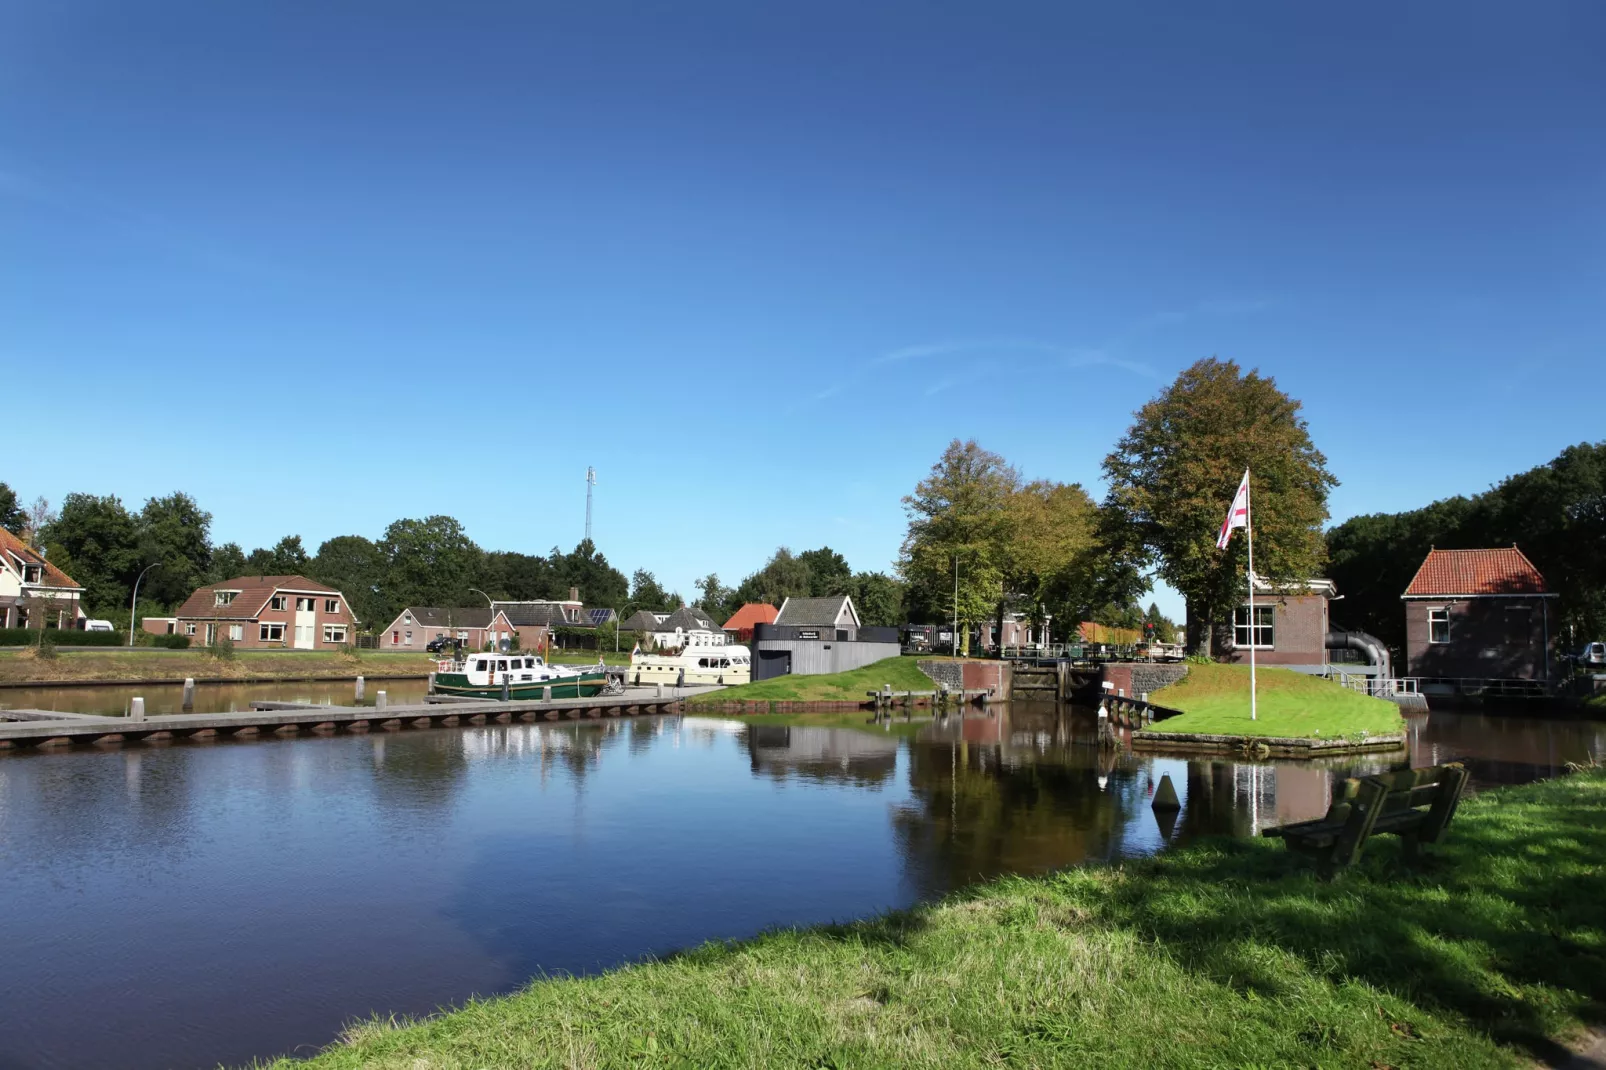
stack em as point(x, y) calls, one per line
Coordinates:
point(189, 693)
point(136, 709)
point(660, 686)
point(546, 692)
point(379, 701)
point(507, 690)
point(362, 685)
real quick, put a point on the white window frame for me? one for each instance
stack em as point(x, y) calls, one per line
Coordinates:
point(224, 598)
point(329, 631)
point(266, 629)
point(189, 629)
point(311, 604)
point(407, 638)
point(277, 602)
point(236, 633)
point(331, 605)
point(1438, 615)
point(1265, 626)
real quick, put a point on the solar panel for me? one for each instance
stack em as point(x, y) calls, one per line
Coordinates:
point(600, 616)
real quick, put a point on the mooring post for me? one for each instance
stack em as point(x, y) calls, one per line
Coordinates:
point(189, 693)
point(660, 686)
point(361, 685)
point(507, 690)
point(136, 709)
point(379, 701)
point(546, 692)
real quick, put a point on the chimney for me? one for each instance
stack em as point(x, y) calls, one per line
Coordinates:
point(574, 594)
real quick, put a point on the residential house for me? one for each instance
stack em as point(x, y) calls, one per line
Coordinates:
point(740, 626)
point(685, 624)
point(1480, 615)
point(30, 585)
point(533, 623)
point(268, 611)
point(643, 622)
point(415, 627)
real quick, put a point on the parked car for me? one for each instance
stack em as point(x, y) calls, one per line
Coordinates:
point(441, 643)
point(98, 626)
point(1593, 656)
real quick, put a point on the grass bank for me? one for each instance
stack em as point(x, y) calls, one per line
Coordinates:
point(145, 663)
point(1226, 953)
point(1214, 700)
point(851, 686)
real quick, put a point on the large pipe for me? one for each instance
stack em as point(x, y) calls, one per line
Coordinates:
point(1377, 655)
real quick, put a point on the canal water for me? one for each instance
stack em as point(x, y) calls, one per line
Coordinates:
point(192, 904)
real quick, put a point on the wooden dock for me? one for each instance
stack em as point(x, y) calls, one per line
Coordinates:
point(27, 729)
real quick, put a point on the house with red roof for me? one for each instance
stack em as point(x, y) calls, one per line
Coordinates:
point(30, 584)
point(1479, 615)
point(268, 611)
point(740, 626)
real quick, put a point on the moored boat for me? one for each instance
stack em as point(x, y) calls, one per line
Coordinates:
point(721, 664)
point(523, 676)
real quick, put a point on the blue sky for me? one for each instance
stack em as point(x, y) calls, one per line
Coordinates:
point(324, 266)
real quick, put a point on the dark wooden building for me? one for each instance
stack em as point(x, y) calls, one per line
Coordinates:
point(1481, 615)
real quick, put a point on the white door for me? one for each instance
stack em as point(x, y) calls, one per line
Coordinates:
point(306, 621)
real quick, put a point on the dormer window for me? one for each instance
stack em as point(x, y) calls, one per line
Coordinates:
point(32, 573)
point(223, 598)
point(276, 602)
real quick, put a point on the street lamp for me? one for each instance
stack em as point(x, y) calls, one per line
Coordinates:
point(492, 602)
point(133, 605)
point(618, 619)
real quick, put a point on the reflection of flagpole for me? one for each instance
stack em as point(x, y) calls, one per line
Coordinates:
point(1249, 530)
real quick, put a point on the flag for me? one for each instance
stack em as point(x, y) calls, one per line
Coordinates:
point(1238, 515)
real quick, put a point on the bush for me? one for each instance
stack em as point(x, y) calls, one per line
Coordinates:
point(60, 637)
point(171, 642)
point(222, 649)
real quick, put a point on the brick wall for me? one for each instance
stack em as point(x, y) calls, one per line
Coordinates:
point(1134, 678)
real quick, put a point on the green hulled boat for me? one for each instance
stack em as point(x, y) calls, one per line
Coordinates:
point(525, 677)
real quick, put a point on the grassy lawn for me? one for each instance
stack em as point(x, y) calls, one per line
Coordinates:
point(1215, 701)
point(1228, 953)
point(145, 663)
point(851, 686)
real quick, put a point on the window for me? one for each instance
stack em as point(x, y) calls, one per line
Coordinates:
point(409, 638)
point(276, 602)
point(331, 605)
point(1439, 625)
point(334, 633)
point(270, 632)
point(395, 638)
point(236, 632)
point(304, 605)
point(189, 629)
point(1260, 636)
point(407, 618)
point(223, 598)
point(32, 573)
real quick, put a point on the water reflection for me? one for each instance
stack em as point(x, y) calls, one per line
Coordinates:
point(283, 887)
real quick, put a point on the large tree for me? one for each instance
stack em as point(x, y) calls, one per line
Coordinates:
point(1173, 475)
point(12, 515)
point(879, 599)
point(647, 593)
point(102, 540)
point(355, 567)
point(785, 575)
point(828, 572)
point(175, 535)
point(958, 534)
point(585, 568)
point(428, 562)
point(228, 562)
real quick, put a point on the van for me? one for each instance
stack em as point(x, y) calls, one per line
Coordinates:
point(98, 626)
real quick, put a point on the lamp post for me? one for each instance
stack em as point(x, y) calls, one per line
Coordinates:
point(618, 619)
point(133, 605)
point(956, 607)
point(492, 603)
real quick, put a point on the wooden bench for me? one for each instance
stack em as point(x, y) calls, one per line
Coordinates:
point(1413, 804)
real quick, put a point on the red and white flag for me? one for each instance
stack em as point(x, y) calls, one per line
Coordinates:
point(1238, 515)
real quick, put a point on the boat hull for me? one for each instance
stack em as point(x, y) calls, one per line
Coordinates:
point(582, 686)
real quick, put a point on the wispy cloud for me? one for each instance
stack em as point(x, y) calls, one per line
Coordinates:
point(942, 384)
point(964, 345)
point(1087, 358)
point(828, 392)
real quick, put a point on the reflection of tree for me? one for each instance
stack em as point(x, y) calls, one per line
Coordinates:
point(413, 772)
point(827, 755)
point(985, 809)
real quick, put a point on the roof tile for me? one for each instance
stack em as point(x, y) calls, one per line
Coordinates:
point(1469, 573)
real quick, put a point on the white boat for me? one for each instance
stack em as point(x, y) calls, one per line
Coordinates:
point(696, 663)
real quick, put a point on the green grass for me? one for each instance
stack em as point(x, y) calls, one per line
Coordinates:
point(1228, 953)
point(148, 663)
point(1214, 700)
point(902, 673)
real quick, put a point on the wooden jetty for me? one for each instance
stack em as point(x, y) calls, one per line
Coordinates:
point(48, 728)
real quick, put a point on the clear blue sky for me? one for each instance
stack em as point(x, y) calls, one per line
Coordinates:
point(758, 263)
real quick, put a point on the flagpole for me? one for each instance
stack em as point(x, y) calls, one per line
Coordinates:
point(1249, 530)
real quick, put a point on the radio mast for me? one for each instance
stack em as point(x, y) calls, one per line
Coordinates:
point(591, 481)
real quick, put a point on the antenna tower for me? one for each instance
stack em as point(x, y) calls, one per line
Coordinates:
point(591, 481)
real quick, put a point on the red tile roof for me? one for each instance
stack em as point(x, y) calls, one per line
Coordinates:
point(15, 548)
point(1468, 573)
point(254, 592)
point(750, 614)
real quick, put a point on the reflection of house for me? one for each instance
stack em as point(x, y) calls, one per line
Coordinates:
point(416, 626)
point(1289, 629)
point(743, 621)
point(1479, 615)
point(30, 585)
point(684, 625)
point(268, 611)
point(832, 754)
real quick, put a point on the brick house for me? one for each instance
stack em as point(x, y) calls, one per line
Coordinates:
point(740, 626)
point(29, 583)
point(289, 612)
point(416, 626)
point(1479, 615)
point(1289, 629)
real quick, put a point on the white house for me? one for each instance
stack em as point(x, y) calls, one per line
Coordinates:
point(29, 585)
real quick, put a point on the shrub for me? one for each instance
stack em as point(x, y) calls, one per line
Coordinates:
point(60, 637)
point(46, 648)
point(222, 649)
point(171, 642)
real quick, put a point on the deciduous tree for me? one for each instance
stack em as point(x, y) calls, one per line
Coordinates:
point(12, 515)
point(175, 535)
point(1174, 473)
point(102, 540)
point(355, 567)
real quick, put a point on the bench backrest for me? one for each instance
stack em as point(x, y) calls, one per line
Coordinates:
point(1436, 788)
point(1357, 804)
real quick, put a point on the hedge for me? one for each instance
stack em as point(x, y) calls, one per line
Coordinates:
point(171, 642)
point(61, 637)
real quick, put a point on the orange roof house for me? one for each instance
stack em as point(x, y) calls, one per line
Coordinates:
point(268, 611)
point(752, 613)
point(1479, 615)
